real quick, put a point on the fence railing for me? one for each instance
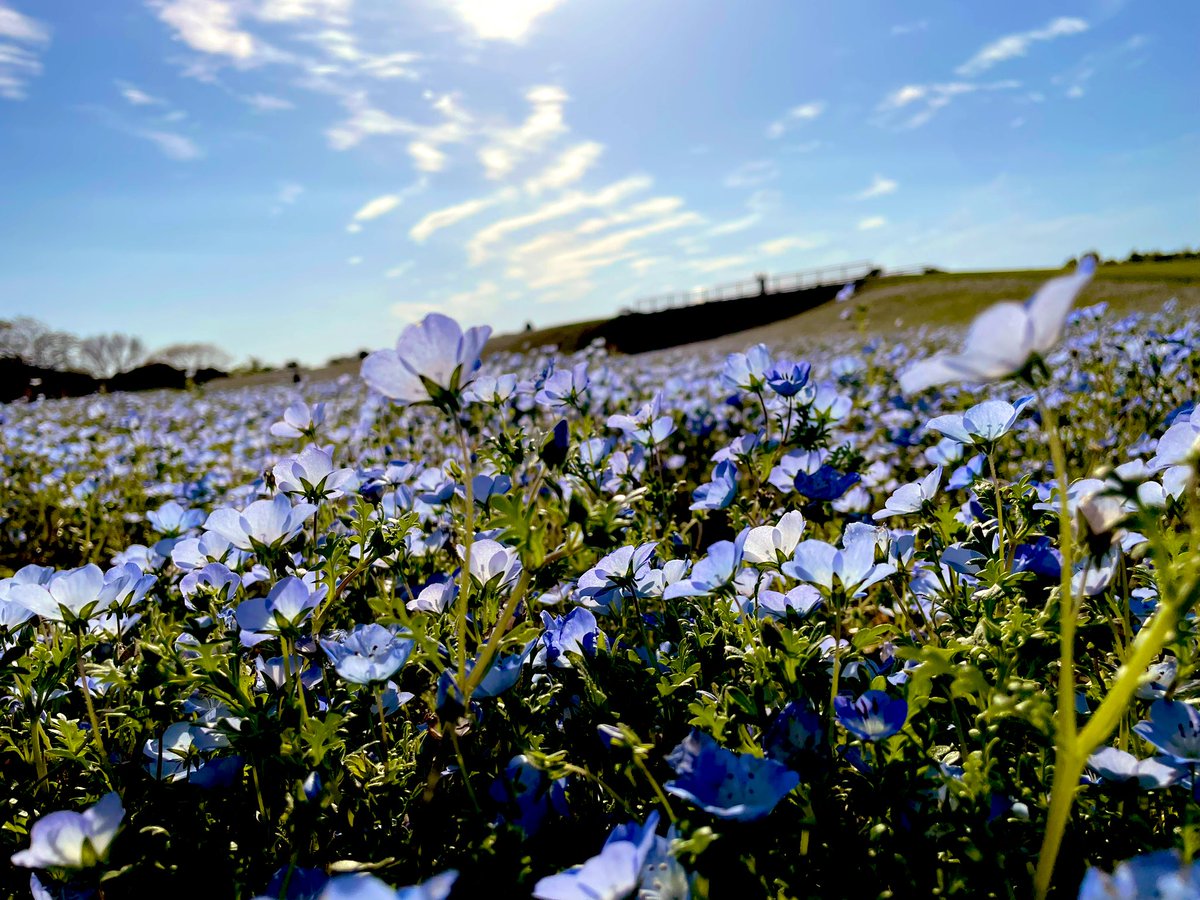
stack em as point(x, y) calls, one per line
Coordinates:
point(826, 276)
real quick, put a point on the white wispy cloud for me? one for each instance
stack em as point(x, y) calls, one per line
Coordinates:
point(289, 192)
point(567, 169)
point(480, 246)
point(904, 28)
point(466, 306)
point(752, 174)
point(452, 215)
point(174, 146)
point(377, 207)
point(1014, 45)
point(733, 226)
point(384, 204)
point(805, 112)
point(21, 40)
point(400, 270)
point(135, 96)
point(781, 245)
point(871, 223)
point(334, 12)
point(501, 20)
point(926, 100)
point(509, 146)
point(266, 102)
point(879, 187)
point(207, 26)
point(558, 259)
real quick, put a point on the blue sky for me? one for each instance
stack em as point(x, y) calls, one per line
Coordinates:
point(297, 179)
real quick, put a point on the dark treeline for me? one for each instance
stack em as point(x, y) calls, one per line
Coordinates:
point(38, 360)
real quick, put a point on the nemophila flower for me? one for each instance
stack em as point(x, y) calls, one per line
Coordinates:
point(872, 717)
point(648, 426)
point(845, 292)
point(1041, 558)
point(774, 544)
point(983, 424)
point(1176, 452)
point(269, 523)
point(274, 672)
point(612, 875)
point(1006, 337)
point(576, 632)
point(910, 498)
point(1116, 765)
point(1158, 679)
point(67, 596)
point(726, 784)
point(720, 491)
point(662, 876)
point(854, 566)
point(565, 388)
point(195, 553)
point(369, 654)
point(172, 520)
point(800, 600)
point(826, 483)
point(712, 573)
point(179, 754)
point(796, 735)
point(432, 362)
point(434, 598)
point(493, 566)
point(312, 475)
point(72, 840)
point(215, 578)
point(783, 475)
point(787, 380)
point(299, 420)
point(621, 575)
point(290, 602)
point(747, 371)
point(1174, 729)
point(1160, 875)
point(492, 389)
point(526, 796)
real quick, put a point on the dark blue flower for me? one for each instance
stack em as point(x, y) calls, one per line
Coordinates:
point(526, 796)
point(795, 736)
point(725, 784)
point(576, 632)
point(872, 717)
point(827, 483)
point(788, 379)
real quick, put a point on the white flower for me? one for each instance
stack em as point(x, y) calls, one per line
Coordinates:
point(1003, 338)
point(72, 840)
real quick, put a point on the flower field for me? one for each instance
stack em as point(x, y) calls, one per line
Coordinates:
point(913, 618)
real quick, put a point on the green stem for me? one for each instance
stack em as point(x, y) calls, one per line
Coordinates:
point(468, 539)
point(87, 699)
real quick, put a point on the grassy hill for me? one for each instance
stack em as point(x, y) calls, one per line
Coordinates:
point(892, 304)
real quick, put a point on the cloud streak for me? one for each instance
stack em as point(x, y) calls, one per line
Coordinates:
point(1014, 45)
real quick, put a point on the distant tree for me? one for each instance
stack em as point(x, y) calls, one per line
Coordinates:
point(105, 355)
point(191, 358)
point(36, 344)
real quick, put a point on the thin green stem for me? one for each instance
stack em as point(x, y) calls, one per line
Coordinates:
point(464, 587)
point(87, 699)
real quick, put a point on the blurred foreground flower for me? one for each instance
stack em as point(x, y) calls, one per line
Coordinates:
point(72, 840)
point(1005, 337)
